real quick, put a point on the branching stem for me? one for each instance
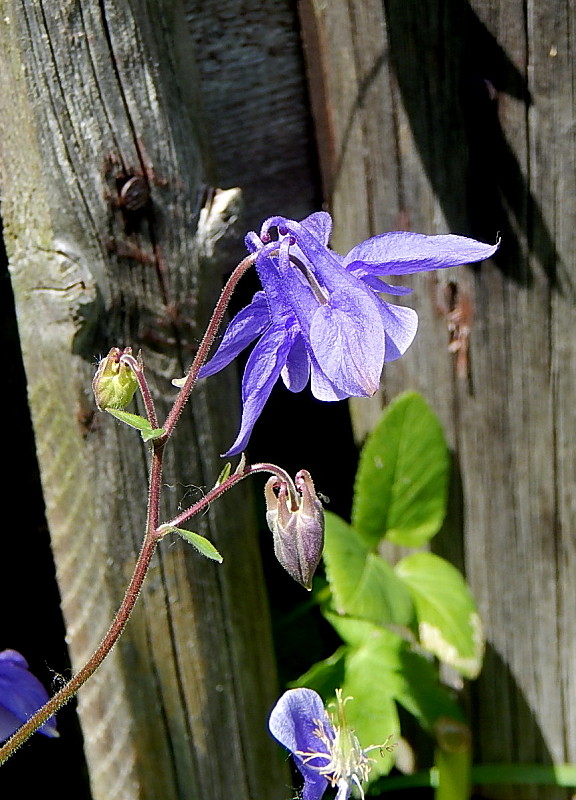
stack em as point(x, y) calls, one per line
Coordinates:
point(154, 532)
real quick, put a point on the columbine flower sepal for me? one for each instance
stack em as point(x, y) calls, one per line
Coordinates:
point(326, 751)
point(21, 695)
point(320, 318)
point(296, 518)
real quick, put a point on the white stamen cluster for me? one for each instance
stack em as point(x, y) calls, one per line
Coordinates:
point(348, 765)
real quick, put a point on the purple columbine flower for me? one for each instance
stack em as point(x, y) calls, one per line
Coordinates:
point(21, 695)
point(320, 317)
point(326, 752)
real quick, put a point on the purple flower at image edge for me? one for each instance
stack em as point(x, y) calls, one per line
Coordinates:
point(320, 318)
point(326, 753)
point(21, 695)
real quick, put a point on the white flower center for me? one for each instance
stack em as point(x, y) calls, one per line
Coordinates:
point(347, 763)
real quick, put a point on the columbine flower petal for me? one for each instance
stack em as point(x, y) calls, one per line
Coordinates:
point(246, 326)
point(351, 360)
point(401, 253)
point(319, 225)
point(296, 373)
point(321, 748)
point(320, 314)
point(295, 721)
point(262, 371)
point(322, 387)
point(21, 695)
point(400, 324)
point(335, 318)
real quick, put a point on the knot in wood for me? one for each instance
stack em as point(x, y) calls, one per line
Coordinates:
point(134, 194)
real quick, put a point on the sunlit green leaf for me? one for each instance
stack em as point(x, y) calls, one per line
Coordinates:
point(324, 676)
point(415, 684)
point(402, 480)
point(363, 585)
point(350, 629)
point(372, 681)
point(448, 621)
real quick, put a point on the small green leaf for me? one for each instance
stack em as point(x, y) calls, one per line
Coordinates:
point(351, 630)
point(153, 433)
point(140, 423)
point(134, 420)
point(402, 480)
point(199, 542)
point(448, 621)
point(224, 474)
point(363, 584)
point(414, 684)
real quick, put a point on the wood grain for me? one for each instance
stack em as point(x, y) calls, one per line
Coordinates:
point(460, 117)
point(92, 93)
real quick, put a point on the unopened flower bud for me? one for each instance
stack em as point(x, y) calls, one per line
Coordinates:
point(297, 524)
point(114, 383)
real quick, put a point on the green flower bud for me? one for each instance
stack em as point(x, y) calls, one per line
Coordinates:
point(114, 384)
point(297, 524)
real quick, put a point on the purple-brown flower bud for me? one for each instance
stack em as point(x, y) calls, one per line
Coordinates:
point(297, 524)
point(114, 383)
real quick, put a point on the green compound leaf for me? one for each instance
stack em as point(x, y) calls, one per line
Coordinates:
point(448, 622)
point(379, 670)
point(363, 585)
point(402, 480)
point(324, 676)
point(351, 630)
point(372, 712)
point(412, 678)
point(140, 423)
point(205, 547)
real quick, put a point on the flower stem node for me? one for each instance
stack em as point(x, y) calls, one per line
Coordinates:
point(115, 383)
point(296, 518)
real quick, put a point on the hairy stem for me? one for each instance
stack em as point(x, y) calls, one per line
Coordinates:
point(153, 532)
point(218, 490)
point(206, 344)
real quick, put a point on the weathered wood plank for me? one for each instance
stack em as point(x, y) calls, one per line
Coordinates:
point(87, 90)
point(449, 116)
point(254, 101)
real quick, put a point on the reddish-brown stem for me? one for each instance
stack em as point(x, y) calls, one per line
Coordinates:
point(218, 491)
point(117, 626)
point(138, 370)
point(69, 690)
point(153, 532)
point(206, 344)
